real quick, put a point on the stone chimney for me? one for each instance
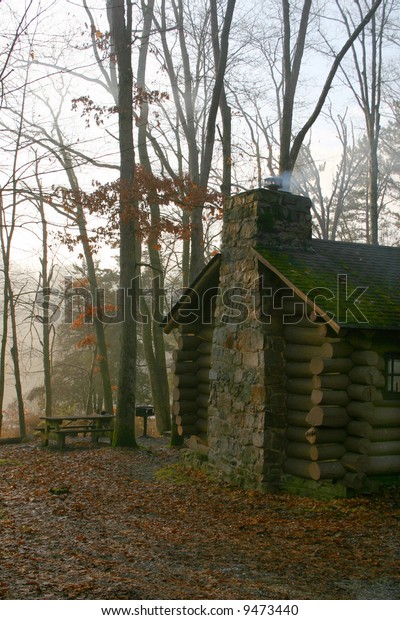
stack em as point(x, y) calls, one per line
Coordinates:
point(265, 217)
point(247, 411)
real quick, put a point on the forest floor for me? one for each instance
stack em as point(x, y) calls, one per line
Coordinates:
point(100, 523)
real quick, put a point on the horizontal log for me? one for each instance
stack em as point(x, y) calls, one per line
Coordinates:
point(367, 375)
point(337, 398)
point(301, 352)
point(185, 420)
point(385, 434)
point(202, 425)
point(314, 470)
point(299, 450)
point(204, 347)
point(297, 418)
point(323, 470)
point(385, 416)
point(376, 416)
point(362, 410)
point(184, 368)
point(333, 417)
point(203, 375)
point(360, 339)
point(359, 428)
point(206, 333)
point(298, 467)
point(182, 407)
point(315, 435)
point(186, 430)
point(298, 369)
point(203, 412)
point(202, 400)
point(359, 445)
point(366, 393)
point(354, 480)
point(296, 433)
point(328, 452)
point(305, 335)
point(299, 402)
point(181, 393)
point(299, 386)
point(318, 365)
point(355, 462)
point(383, 465)
point(187, 342)
point(336, 349)
point(203, 388)
point(318, 435)
point(184, 356)
point(337, 381)
point(384, 448)
point(368, 358)
point(187, 381)
point(204, 361)
point(314, 452)
point(196, 445)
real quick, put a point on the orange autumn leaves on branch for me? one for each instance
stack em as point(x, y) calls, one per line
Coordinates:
point(146, 192)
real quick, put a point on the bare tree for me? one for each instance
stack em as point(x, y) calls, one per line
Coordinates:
point(120, 16)
point(185, 94)
point(367, 90)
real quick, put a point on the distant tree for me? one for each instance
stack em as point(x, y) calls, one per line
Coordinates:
point(196, 111)
point(367, 90)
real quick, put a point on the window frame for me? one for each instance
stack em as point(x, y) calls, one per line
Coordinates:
point(390, 375)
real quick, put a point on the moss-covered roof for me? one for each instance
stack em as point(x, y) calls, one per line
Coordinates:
point(358, 284)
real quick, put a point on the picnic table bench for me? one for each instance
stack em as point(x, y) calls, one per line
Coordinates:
point(61, 426)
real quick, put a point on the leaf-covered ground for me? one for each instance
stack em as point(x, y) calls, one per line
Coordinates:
point(102, 523)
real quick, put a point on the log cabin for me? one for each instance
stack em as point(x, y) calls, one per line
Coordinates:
point(287, 369)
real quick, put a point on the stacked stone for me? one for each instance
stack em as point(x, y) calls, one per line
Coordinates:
point(245, 439)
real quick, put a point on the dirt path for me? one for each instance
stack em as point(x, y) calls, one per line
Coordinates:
point(102, 523)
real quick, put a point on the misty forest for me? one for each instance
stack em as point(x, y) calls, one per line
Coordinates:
point(125, 126)
point(218, 97)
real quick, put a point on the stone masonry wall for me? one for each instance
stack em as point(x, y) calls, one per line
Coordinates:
point(247, 396)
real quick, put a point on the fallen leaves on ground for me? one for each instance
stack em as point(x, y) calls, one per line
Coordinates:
point(101, 523)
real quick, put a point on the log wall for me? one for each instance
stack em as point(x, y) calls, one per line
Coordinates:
point(317, 364)
point(191, 367)
point(339, 426)
point(373, 434)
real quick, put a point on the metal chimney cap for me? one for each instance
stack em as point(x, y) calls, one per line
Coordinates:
point(274, 183)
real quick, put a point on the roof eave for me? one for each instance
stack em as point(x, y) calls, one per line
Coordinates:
point(317, 309)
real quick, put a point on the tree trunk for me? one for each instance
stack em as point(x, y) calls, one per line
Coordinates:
point(46, 325)
point(121, 32)
point(153, 338)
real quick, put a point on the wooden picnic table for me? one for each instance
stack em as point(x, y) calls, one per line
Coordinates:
point(61, 426)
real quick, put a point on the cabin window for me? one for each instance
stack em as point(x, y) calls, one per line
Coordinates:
point(393, 375)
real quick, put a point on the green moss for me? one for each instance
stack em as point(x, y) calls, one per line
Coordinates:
point(311, 488)
point(178, 474)
point(319, 268)
point(8, 462)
